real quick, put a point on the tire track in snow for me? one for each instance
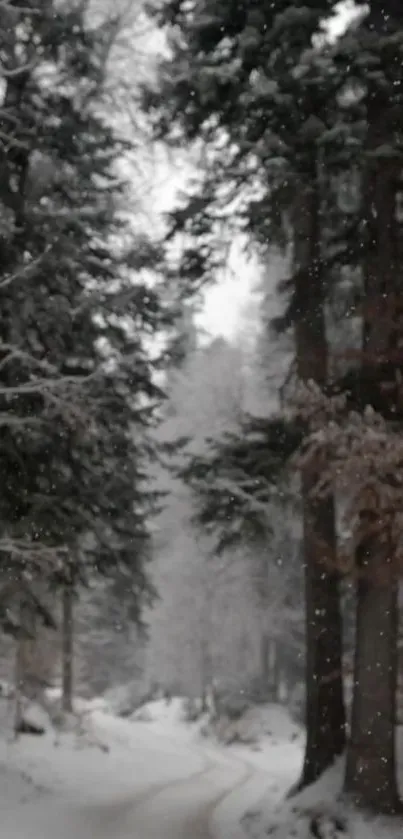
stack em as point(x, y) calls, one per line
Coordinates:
point(184, 809)
point(181, 808)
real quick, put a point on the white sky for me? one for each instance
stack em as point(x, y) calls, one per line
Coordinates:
point(227, 300)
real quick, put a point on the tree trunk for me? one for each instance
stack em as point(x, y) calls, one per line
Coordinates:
point(371, 759)
point(19, 677)
point(325, 710)
point(206, 668)
point(264, 660)
point(67, 648)
point(270, 670)
point(25, 633)
point(275, 677)
point(263, 591)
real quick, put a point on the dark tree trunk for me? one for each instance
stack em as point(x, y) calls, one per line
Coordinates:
point(25, 636)
point(19, 672)
point(67, 648)
point(262, 588)
point(14, 163)
point(264, 660)
point(206, 667)
point(325, 710)
point(371, 759)
point(371, 756)
point(274, 670)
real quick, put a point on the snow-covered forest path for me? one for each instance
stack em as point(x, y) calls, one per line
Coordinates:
point(153, 784)
point(181, 809)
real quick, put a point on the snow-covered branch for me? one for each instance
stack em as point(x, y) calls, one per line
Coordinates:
point(25, 270)
point(14, 72)
point(33, 555)
point(257, 502)
point(45, 387)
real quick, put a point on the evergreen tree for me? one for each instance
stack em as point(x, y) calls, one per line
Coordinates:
point(204, 397)
point(75, 306)
point(291, 125)
point(372, 55)
point(247, 82)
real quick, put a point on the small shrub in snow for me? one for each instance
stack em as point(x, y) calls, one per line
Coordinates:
point(233, 707)
point(313, 813)
point(6, 690)
point(192, 710)
point(142, 715)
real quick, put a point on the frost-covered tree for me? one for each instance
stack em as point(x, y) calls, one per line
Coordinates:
point(77, 312)
point(205, 573)
point(370, 59)
point(301, 147)
point(252, 86)
point(196, 590)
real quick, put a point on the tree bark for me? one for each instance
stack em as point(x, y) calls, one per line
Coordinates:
point(206, 665)
point(262, 584)
point(264, 660)
point(25, 635)
point(276, 673)
point(67, 648)
point(325, 710)
point(371, 759)
point(19, 675)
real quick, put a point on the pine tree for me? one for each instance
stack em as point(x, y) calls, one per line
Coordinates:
point(74, 306)
point(241, 500)
point(247, 83)
point(372, 54)
point(204, 397)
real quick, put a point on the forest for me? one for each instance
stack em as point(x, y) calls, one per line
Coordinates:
point(184, 512)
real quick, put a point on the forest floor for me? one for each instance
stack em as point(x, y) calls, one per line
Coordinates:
point(318, 812)
point(156, 777)
point(118, 778)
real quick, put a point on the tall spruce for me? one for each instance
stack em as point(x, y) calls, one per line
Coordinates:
point(246, 82)
point(372, 55)
point(325, 714)
point(75, 307)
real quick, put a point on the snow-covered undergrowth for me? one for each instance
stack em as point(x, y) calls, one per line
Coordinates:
point(95, 757)
point(168, 715)
point(257, 733)
point(318, 812)
point(265, 737)
point(92, 757)
point(258, 724)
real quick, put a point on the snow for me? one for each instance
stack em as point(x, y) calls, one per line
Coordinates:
point(273, 748)
point(294, 816)
point(163, 716)
point(101, 759)
point(155, 776)
point(147, 777)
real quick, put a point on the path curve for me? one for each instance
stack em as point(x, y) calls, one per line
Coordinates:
point(185, 809)
point(183, 806)
point(180, 809)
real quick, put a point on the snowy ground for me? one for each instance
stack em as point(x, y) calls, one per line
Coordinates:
point(316, 812)
point(115, 778)
point(155, 777)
